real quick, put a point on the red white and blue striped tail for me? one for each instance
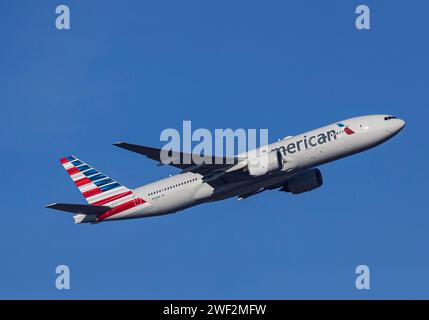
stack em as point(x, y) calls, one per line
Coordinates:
point(97, 188)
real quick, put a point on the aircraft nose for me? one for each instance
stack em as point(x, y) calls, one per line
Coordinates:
point(396, 125)
point(399, 125)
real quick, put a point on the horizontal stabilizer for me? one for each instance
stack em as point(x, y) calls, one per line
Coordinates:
point(79, 208)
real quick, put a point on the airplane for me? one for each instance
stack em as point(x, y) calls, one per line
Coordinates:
point(288, 165)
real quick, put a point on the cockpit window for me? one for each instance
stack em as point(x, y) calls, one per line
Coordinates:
point(390, 117)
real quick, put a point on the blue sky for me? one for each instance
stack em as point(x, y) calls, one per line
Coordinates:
point(129, 69)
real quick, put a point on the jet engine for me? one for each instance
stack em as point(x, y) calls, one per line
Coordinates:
point(267, 162)
point(307, 181)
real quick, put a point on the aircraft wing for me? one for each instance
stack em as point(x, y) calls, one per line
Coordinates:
point(210, 165)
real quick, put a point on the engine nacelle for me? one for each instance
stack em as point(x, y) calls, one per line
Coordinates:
point(267, 162)
point(307, 181)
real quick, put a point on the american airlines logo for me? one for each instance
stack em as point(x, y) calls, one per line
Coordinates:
point(347, 130)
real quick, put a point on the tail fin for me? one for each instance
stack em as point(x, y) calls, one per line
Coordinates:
point(97, 188)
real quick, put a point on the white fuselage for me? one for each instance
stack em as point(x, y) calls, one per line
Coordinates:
point(299, 153)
